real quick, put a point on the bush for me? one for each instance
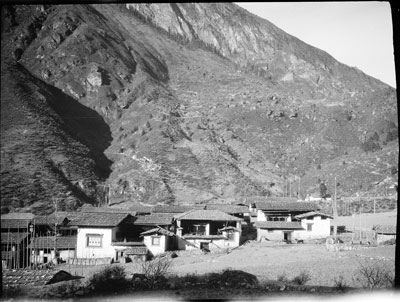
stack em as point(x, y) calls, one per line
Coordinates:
point(374, 275)
point(340, 283)
point(156, 268)
point(109, 279)
point(302, 279)
point(283, 278)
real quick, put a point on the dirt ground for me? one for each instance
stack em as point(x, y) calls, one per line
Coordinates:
point(269, 262)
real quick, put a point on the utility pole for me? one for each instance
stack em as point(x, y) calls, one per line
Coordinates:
point(335, 214)
point(290, 188)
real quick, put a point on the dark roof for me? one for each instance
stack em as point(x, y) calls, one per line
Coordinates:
point(137, 250)
point(15, 223)
point(20, 216)
point(13, 238)
point(284, 225)
point(16, 220)
point(175, 208)
point(98, 219)
point(228, 208)
point(385, 229)
point(50, 220)
point(312, 214)
point(61, 242)
point(287, 206)
point(211, 215)
point(158, 230)
point(34, 277)
point(155, 219)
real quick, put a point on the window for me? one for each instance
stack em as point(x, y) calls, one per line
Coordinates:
point(199, 229)
point(155, 240)
point(94, 240)
point(309, 227)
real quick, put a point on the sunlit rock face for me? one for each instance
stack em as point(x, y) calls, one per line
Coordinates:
point(180, 103)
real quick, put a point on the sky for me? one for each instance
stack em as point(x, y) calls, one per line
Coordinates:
point(358, 34)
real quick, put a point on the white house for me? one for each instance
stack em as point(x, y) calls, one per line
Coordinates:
point(288, 221)
point(97, 234)
point(157, 240)
point(207, 229)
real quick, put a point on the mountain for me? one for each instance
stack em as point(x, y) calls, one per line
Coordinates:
point(180, 103)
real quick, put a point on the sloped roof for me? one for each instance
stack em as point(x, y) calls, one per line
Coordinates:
point(98, 219)
point(13, 238)
point(211, 215)
point(23, 216)
point(312, 214)
point(175, 208)
point(49, 220)
point(385, 229)
point(16, 220)
point(15, 223)
point(228, 208)
point(284, 225)
point(158, 230)
point(60, 242)
point(287, 206)
point(34, 277)
point(155, 219)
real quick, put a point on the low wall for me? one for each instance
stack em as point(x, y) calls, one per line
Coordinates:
point(89, 261)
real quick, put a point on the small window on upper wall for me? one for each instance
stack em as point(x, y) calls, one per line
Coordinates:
point(309, 227)
point(94, 240)
point(155, 240)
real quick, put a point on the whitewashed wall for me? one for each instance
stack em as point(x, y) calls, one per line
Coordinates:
point(156, 249)
point(106, 250)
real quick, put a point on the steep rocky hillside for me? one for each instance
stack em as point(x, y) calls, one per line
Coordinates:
point(166, 103)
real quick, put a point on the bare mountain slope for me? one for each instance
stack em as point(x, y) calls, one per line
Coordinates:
point(183, 103)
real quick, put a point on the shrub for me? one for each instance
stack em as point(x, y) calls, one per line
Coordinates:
point(156, 268)
point(374, 275)
point(302, 279)
point(283, 278)
point(340, 283)
point(109, 279)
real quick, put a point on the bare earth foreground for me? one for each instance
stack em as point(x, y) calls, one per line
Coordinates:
point(267, 262)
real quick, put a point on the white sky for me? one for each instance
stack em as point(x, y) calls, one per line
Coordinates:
point(358, 34)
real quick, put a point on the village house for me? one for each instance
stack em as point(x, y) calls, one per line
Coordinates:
point(16, 230)
point(54, 249)
point(384, 232)
point(157, 232)
point(289, 221)
point(207, 229)
point(102, 235)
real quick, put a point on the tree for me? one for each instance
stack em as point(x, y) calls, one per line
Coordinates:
point(322, 190)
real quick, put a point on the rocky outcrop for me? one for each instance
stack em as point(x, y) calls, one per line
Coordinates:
point(167, 103)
